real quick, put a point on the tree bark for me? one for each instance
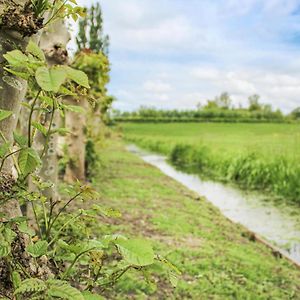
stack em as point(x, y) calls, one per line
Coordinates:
point(76, 142)
point(53, 42)
point(12, 92)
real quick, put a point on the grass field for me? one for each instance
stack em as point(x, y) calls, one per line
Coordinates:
point(256, 156)
point(217, 258)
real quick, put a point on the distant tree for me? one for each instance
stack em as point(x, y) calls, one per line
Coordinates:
point(295, 114)
point(220, 102)
point(224, 101)
point(90, 35)
point(254, 104)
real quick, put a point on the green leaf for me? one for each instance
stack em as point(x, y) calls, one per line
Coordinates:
point(5, 249)
point(40, 128)
point(62, 131)
point(16, 58)
point(75, 108)
point(16, 279)
point(50, 79)
point(90, 296)
point(4, 149)
point(21, 140)
point(4, 114)
point(31, 285)
point(23, 227)
point(173, 279)
point(35, 50)
point(78, 76)
point(18, 74)
point(38, 249)
point(136, 252)
point(48, 100)
point(28, 160)
point(63, 290)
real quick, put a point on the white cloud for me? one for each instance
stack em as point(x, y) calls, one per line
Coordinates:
point(156, 86)
point(176, 53)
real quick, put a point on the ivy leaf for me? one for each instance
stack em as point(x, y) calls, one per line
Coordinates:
point(136, 252)
point(38, 249)
point(50, 79)
point(4, 114)
point(28, 160)
point(35, 50)
point(16, 58)
point(78, 76)
point(40, 128)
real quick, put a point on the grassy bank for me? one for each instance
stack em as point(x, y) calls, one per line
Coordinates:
point(216, 258)
point(255, 156)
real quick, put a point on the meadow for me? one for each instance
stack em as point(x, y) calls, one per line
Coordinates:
point(254, 156)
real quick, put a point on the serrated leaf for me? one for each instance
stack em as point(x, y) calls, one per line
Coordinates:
point(35, 50)
point(38, 249)
point(16, 58)
point(4, 114)
point(31, 285)
point(21, 140)
point(40, 128)
point(136, 252)
point(50, 79)
point(78, 76)
point(28, 160)
point(63, 290)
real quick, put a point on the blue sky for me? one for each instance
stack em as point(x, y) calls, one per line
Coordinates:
point(177, 53)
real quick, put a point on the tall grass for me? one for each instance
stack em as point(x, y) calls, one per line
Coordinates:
point(250, 168)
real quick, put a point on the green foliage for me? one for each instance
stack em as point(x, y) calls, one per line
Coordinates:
point(38, 249)
point(89, 261)
point(28, 161)
point(254, 156)
point(90, 34)
point(4, 114)
point(136, 252)
point(218, 110)
point(50, 80)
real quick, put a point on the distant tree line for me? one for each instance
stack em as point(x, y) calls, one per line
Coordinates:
point(219, 109)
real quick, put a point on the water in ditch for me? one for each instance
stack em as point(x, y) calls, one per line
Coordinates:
point(278, 225)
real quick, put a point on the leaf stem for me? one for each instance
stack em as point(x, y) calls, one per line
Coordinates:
point(30, 118)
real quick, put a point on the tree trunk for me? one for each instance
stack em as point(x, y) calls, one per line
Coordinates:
point(12, 92)
point(76, 142)
point(53, 42)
